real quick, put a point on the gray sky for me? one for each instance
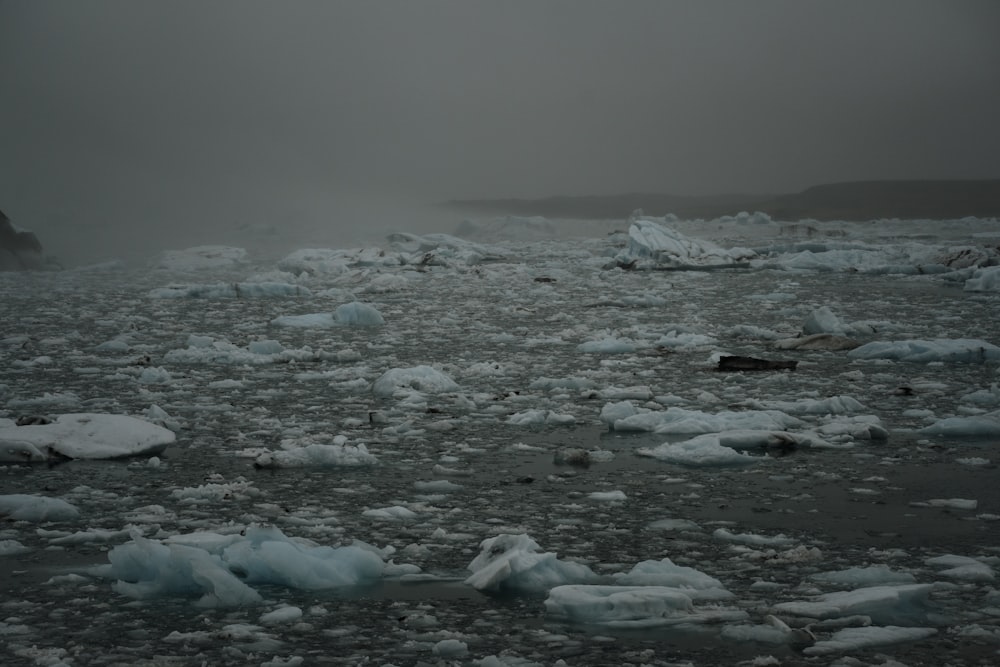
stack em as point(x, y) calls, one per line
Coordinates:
point(126, 117)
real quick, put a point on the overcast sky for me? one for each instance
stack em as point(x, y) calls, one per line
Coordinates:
point(190, 111)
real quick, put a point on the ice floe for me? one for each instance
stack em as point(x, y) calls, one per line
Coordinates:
point(634, 606)
point(961, 350)
point(83, 436)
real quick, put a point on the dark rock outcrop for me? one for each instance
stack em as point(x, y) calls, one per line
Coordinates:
point(19, 250)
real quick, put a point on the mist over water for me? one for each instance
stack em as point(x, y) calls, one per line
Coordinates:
point(133, 127)
point(266, 229)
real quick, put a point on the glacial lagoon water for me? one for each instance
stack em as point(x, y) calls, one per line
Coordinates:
point(508, 331)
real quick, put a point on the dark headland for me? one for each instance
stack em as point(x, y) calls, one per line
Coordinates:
point(853, 201)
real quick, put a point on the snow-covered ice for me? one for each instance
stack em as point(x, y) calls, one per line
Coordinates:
point(83, 436)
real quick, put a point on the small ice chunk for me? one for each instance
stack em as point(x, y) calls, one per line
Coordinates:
point(873, 575)
point(317, 455)
point(358, 314)
point(666, 573)
point(419, 378)
point(450, 648)
point(702, 450)
point(616, 496)
point(753, 539)
point(949, 503)
point(281, 615)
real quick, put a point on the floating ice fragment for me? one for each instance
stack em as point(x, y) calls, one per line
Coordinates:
point(536, 417)
point(963, 568)
point(358, 314)
point(961, 350)
point(884, 604)
point(772, 631)
point(607, 496)
point(11, 547)
point(281, 615)
point(437, 486)
point(950, 503)
point(147, 568)
point(853, 639)
point(516, 562)
point(702, 450)
point(681, 420)
point(753, 539)
point(986, 279)
point(819, 341)
point(450, 648)
point(666, 573)
point(674, 524)
point(654, 245)
point(873, 575)
point(833, 405)
point(607, 346)
point(85, 436)
point(419, 378)
point(973, 461)
point(632, 606)
point(978, 426)
point(317, 455)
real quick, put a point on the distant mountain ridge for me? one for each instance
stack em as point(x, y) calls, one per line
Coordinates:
point(854, 201)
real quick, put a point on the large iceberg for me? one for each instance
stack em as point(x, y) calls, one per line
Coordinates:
point(654, 245)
